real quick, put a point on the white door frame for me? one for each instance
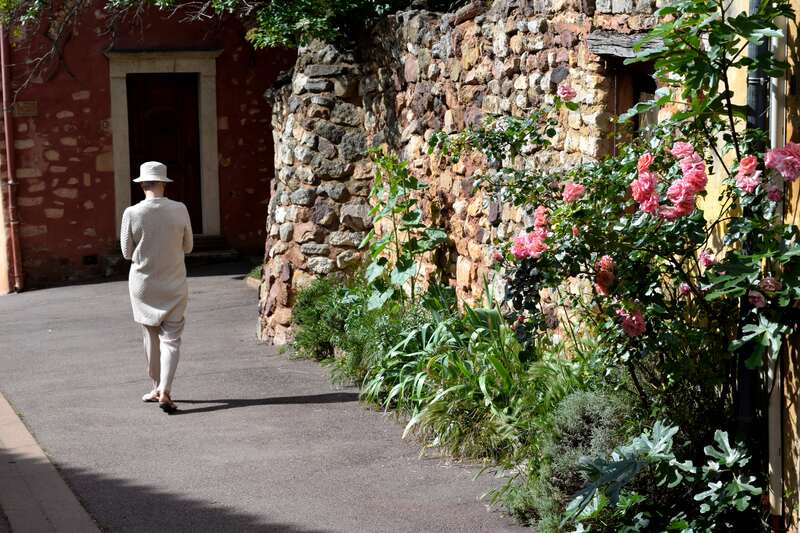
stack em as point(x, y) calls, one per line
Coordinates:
point(204, 63)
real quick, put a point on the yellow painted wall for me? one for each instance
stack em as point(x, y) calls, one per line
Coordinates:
point(791, 369)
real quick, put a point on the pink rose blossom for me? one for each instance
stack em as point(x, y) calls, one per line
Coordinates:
point(756, 299)
point(603, 282)
point(748, 165)
point(696, 179)
point(650, 205)
point(747, 178)
point(707, 259)
point(572, 191)
point(605, 274)
point(633, 323)
point(785, 160)
point(644, 162)
point(691, 162)
point(748, 183)
point(693, 169)
point(770, 284)
point(774, 193)
point(682, 149)
point(530, 244)
point(520, 247)
point(680, 191)
point(643, 190)
point(644, 186)
point(566, 92)
point(678, 210)
point(684, 289)
point(575, 231)
point(540, 217)
point(605, 263)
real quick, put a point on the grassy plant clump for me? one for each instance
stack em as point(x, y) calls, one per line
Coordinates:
point(317, 318)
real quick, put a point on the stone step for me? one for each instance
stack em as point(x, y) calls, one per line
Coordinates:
point(207, 250)
point(203, 243)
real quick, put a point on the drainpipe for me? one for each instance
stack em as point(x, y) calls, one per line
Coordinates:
point(749, 389)
point(11, 169)
point(777, 133)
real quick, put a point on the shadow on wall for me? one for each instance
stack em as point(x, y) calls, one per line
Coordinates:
point(120, 506)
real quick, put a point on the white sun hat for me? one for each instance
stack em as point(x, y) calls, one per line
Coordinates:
point(153, 171)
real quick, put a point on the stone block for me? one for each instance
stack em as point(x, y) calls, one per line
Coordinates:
point(286, 231)
point(24, 144)
point(353, 146)
point(25, 172)
point(303, 197)
point(325, 215)
point(410, 69)
point(346, 114)
point(463, 271)
point(312, 248)
point(345, 87)
point(346, 239)
point(66, 192)
point(500, 42)
point(332, 169)
point(328, 130)
point(303, 154)
point(320, 265)
point(346, 259)
point(104, 162)
point(326, 148)
point(333, 190)
point(53, 212)
point(356, 216)
point(321, 71)
point(309, 232)
point(621, 6)
point(282, 316)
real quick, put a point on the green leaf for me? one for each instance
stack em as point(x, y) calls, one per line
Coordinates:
point(378, 298)
point(375, 269)
point(403, 271)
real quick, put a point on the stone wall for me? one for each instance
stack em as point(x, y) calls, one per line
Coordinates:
point(420, 72)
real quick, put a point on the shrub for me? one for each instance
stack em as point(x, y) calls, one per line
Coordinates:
point(318, 316)
point(722, 496)
point(585, 423)
point(368, 334)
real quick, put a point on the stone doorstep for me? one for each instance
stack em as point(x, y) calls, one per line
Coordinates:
point(33, 495)
point(253, 283)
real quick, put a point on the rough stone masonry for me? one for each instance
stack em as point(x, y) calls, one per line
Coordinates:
point(418, 73)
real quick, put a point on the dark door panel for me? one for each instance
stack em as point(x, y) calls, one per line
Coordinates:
point(163, 125)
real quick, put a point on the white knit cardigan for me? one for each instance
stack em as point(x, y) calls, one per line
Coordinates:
point(155, 234)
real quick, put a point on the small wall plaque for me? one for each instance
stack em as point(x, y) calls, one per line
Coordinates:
point(26, 108)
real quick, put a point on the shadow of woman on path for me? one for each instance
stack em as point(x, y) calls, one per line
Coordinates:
point(233, 403)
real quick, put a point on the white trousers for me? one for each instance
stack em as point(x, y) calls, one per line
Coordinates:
point(162, 346)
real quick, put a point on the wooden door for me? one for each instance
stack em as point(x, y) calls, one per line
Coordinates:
point(163, 126)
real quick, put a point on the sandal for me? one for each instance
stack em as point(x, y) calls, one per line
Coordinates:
point(166, 404)
point(151, 396)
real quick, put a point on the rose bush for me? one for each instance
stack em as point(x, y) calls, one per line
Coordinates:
point(686, 288)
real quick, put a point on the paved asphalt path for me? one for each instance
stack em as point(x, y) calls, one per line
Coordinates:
point(263, 443)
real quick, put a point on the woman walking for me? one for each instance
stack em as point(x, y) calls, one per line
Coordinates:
point(155, 235)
